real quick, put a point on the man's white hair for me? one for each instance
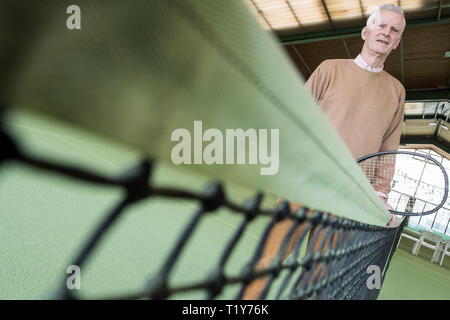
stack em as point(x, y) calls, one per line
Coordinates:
point(386, 7)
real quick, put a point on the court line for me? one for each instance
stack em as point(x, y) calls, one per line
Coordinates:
point(56, 134)
point(65, 139)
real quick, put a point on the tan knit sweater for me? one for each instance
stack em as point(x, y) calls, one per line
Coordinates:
point(366, 108)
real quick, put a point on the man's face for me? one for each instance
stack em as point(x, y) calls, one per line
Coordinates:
point(384, 35)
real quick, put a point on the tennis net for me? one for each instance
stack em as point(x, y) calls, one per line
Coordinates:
point(338, 263)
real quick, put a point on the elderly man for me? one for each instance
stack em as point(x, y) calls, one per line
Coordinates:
point(363, 103)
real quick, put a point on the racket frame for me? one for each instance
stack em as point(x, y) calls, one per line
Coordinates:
point(444, 199)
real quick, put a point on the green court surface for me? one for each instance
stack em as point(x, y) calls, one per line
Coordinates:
point(161, 73)
point(164, 72)
point(412, 277)
point(46, 219)
point(178, 62)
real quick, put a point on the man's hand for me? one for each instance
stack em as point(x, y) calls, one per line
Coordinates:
point(394, 220)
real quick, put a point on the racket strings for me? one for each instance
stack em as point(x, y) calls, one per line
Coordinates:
point(411, 183)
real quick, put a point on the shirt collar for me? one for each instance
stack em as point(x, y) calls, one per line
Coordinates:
point(362, 64)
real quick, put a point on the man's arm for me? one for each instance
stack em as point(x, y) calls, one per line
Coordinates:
point(391, 139)
point(385, 170)
point(317, 84)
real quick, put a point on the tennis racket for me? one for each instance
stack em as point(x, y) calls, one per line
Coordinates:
point(413, 184)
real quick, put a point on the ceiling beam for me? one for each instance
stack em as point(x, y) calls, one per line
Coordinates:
point(346, 48)
point(349, 32)
point(293, 13)
point(426, 146)
point(363, 16)
point(262, 15)
point(424, 95)
point(324, 5)
point(302, 60)
point(439, 11)
point(320, 36)
point(405, 140)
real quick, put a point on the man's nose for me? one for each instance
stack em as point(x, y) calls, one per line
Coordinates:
point(387, 30)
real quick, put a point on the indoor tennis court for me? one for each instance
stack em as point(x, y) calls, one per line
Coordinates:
point(51, 232)
point(78, 121)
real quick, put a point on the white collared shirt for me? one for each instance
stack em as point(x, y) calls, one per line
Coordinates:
point(361, 63)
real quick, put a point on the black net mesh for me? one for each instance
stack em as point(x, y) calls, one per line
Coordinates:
point(337, 264)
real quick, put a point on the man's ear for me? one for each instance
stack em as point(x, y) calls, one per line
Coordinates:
point(364, 33)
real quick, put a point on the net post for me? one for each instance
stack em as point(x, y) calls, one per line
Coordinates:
point(398, 232)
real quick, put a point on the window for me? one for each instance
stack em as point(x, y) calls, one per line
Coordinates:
point(437, 222)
